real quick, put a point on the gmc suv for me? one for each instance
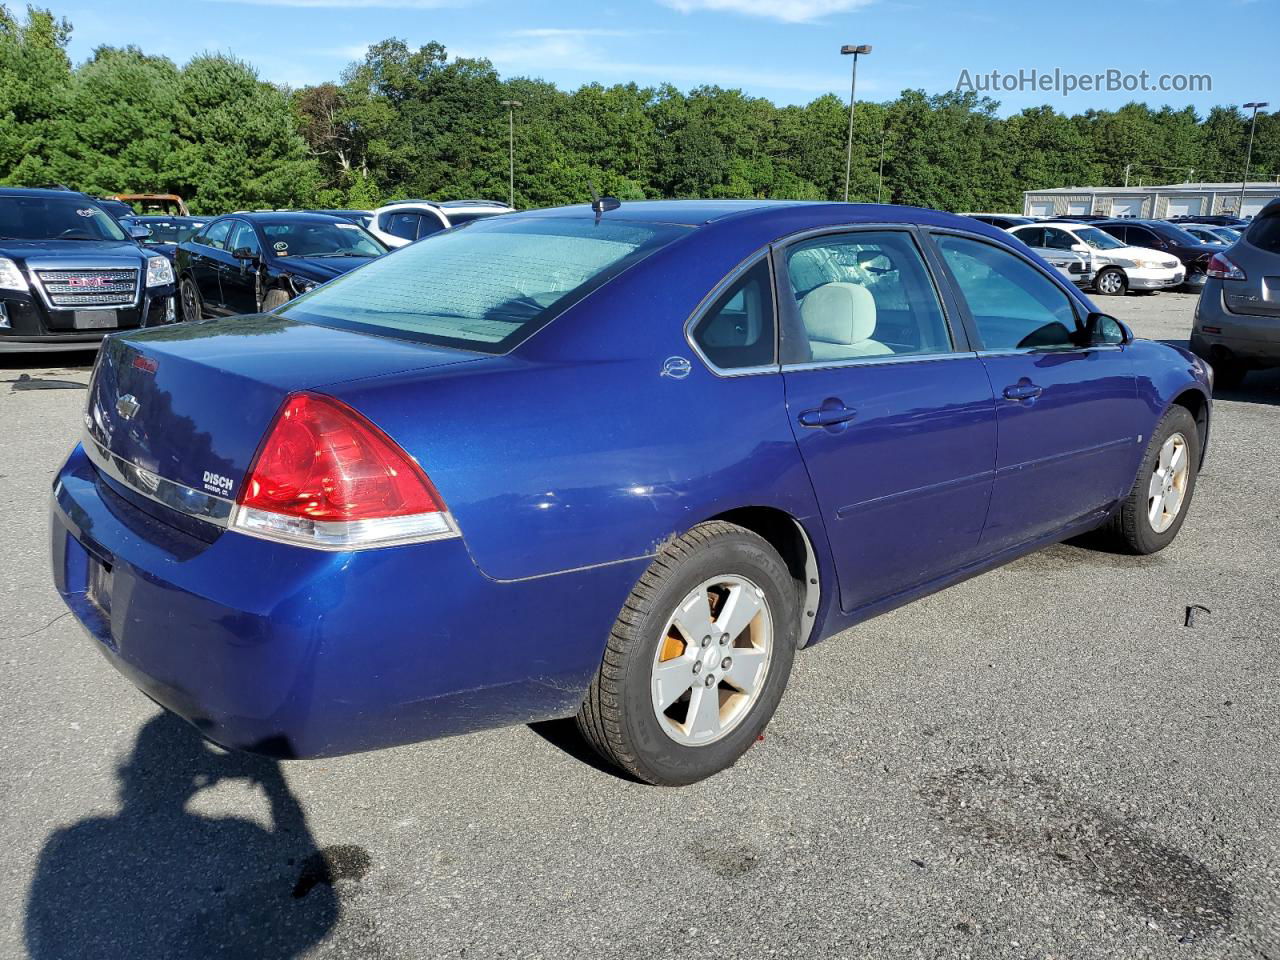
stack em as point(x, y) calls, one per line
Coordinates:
point(70, 274)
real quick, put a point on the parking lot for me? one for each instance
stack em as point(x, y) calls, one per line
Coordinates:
point(1045, 761)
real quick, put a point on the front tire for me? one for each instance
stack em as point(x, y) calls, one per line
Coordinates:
point(697, 660)
point(1111, 282)
point(1151, 516)
point(274, 298)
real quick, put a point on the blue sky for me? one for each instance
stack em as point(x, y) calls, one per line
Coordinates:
point(786, 51)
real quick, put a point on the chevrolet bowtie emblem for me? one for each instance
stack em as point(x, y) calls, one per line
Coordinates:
point(127, 406)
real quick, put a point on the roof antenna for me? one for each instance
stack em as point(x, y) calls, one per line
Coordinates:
point(602, 204)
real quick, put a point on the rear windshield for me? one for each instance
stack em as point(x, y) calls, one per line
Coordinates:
point(55, 218)
point(1264, 233)
point(486, 286)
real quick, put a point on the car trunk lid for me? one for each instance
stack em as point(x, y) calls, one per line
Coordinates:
point(190, 403)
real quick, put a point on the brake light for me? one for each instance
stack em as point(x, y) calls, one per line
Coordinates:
point(1223, 269)
point(326, 477)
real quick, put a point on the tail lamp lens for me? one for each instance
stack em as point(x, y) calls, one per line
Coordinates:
point(326, 477)
point(1223, 269)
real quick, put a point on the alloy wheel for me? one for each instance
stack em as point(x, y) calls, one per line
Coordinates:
point(1109, 283)
point(712, 660)
point(1168, 486)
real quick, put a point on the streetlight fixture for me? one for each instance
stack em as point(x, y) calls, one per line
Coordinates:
point(1248, 155)
point(855, 49)
point(511, 149)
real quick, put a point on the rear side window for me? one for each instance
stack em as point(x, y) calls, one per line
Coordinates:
point(428, 224)
point(1264, 233)
point(402, 225)
point(1031, 236)
point(216, 235)
point(738, 329)
point(1014, 305)
point(486, 288)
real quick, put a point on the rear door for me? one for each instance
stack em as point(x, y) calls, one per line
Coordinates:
point(205, 266)
point(1068, 416)
point(892, 410)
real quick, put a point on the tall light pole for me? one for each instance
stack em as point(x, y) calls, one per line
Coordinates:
point(1248, 154)
point(511, 149)
point(855, 49)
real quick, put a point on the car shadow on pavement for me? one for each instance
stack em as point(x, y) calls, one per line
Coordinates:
point(564, 735)
point(159, 880)
point(1260, 386)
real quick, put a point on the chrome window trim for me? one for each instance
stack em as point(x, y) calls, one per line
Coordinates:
point(709, 300)
point(168, 493)
point(879, 360)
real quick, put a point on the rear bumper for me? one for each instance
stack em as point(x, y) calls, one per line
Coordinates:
point(1252, 338)
point(298, 653)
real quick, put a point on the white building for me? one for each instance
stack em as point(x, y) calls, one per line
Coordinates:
point(1154, 202)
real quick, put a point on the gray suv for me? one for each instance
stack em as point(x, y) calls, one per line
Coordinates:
point(1237, 324)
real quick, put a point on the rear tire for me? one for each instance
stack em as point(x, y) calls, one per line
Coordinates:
point(1146, 521)
point(192, 306)
point(668, 705)
point(1111, 282)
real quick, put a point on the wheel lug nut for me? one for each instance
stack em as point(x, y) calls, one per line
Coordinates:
point(726, 663)
point(697, 666)
point(706, 641)
point(724, 638)
point(711, 679)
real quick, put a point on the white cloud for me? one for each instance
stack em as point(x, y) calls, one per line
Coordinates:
point(573, 51)
point(788, 11)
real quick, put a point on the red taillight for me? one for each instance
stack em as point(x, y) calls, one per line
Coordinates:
point(327, 477)
point(1223, 269)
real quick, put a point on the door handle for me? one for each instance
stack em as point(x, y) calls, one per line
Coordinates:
point(827, 415)
point(1023, 391)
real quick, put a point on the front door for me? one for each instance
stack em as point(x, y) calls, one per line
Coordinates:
point(892, 412)
point(205, 264)
point(1067, 415)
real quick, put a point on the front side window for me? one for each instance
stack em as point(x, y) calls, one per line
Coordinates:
point(244, 238)
point(1055, 239)
point(1098, 239)
point(1014, 305)
point(1031, 236)
point(486, 288)
point(738, 329)
point(863, 295)
point(55, 218)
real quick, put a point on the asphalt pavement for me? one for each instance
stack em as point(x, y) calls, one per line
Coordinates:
point(1044, 761)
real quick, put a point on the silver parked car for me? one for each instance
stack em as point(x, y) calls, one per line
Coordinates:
point(1237, 324)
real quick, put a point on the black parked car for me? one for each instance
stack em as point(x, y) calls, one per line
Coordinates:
point(117, 208)
point(252, 262)
point(1217, 219)
point(1169, 238)
point(164, 233)
point(69, 273)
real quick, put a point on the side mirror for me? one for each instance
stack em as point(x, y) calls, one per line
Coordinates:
point(1081, 247)
point(244, 253)
point(139, 232)
point(1101, 329)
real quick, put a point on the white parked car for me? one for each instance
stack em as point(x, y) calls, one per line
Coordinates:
point(1114, 266)
point(408, 220)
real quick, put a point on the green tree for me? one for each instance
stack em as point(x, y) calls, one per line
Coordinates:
point(35, 76)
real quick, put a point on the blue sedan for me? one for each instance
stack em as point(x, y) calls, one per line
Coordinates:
point(618, 463)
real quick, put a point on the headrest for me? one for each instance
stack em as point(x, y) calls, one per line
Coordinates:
point(842, 313)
